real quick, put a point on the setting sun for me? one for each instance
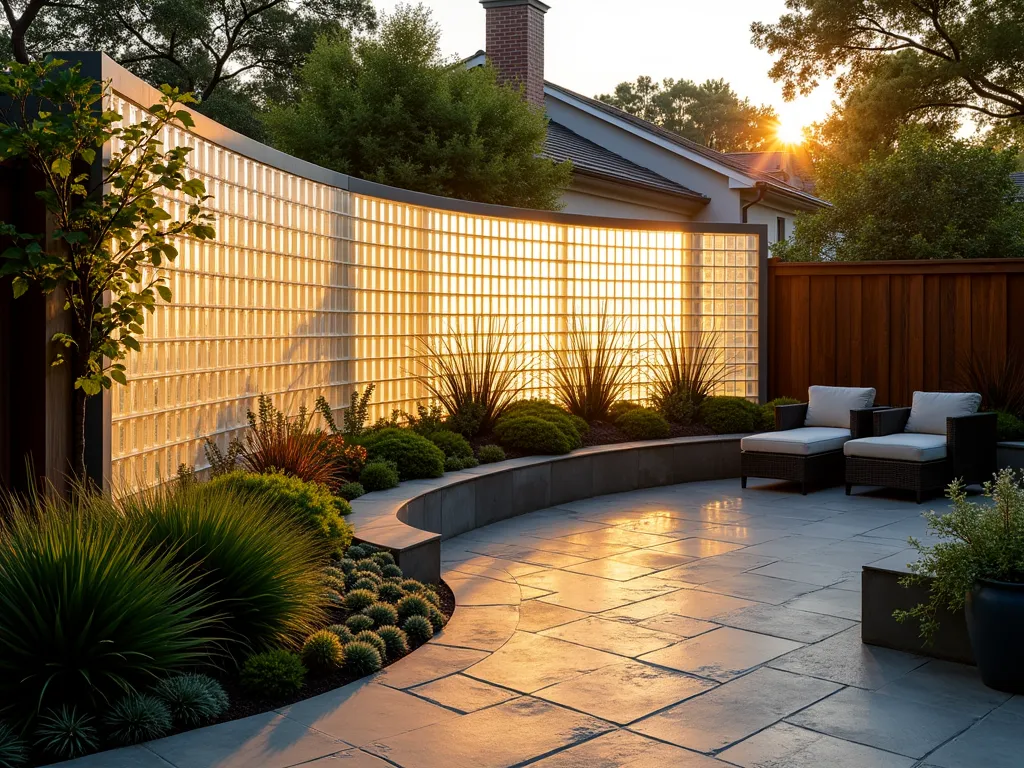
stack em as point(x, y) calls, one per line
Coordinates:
point(789, 133)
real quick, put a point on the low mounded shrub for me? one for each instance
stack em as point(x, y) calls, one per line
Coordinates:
point(418, 629)
point(392, 571)
point(312, 503)
point(370, 637)
point(414, 455)
point(192, 699)
point(350, 491)
point(728, 415)
point(411, 585)
point(343, 633)
point(457, 463)
point(368, 565)
point(677, 407)
point(767, 423)
point(396, 644)
point(365, 582)
point(381, 614)
point(490, 454)
point(390, 593)
point(621, 407)
point(136, 718)
point(359, 623)
point(358, 599)
point(273, 674)
point(66, 733)
point(1008, 427)
point(643, 424)
point(362, 658)
point(379, 476)
point(437, 619)
point(532, 435)
point(412, 605)
point(573, 427)
point(13, 749)
point(453, 445)
point(322, 653)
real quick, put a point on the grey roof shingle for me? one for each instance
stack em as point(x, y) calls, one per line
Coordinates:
point(592, 159)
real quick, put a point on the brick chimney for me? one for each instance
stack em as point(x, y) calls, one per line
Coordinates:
point(515, 44)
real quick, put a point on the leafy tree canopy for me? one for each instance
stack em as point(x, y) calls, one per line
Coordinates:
point(929, 198)
point(710, 113)
point(387, 107)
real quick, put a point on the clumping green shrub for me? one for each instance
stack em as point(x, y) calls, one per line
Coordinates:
point(366, 582)
point(135, 718)
point(412, 605)
point(87, 609)
point(66, 733)
point(273, 674)
point(453, 445)
point(312, 503)
point(358, 599)
point(414, 455)
point(192, 699)
point(357, 552)
point(370, 637)
point(728, 415)
point(382, 614)
point(382, 558)
point(418, 629)
point(347, 565)
point(396, 644)
point(390, 593)
point(321, 653)
point(359, 623)
point(368, 565)
point(379, 476)
point(437, 619)
point(263, 570)
point(1008, 427)
point(392, 571)
point(457, 463)
point(411, 585)
point(621, 407)
point(767, 422)
point(431, 597)
point(573, 427)
point(491, 454)
point(13, 749)
point(350, 491)
point(532, 435)
point(643, 424)
point(362, 658)
point(343, 633)
point(677, 407)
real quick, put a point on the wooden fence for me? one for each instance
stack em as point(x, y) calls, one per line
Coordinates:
point(896, 326)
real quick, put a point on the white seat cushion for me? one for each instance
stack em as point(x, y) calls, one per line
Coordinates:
point(904, 446)
point(831, 406)
point(930, 410)
point(805, 441)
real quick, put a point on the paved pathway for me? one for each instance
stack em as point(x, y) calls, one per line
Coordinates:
point(696, 626)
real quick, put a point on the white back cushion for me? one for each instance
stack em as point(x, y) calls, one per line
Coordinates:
point(831, 406)
point(931, 409)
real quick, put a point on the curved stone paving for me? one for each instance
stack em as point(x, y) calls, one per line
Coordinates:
point(694, 626)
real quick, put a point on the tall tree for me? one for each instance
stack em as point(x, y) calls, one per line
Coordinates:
point(709, 113)
point(387, 107)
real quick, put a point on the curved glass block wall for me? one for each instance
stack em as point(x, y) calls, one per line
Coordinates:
point(318, 283)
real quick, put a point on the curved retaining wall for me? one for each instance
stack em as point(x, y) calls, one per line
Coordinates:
point(412, 519)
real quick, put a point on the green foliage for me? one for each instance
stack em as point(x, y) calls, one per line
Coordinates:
point(430, 595)
point(350, 491)
point(490, 454)
point(383, 558)
point(412, 586)
point(389, 108)
point(365, 583)
point(246, 552)
point(592, 369)
point(66, 733)
point(532, 435)
point(418, 629)
point(710, 114)
point(111, 232)
point(428, 421)
point(414, 455)
point(643, 424)
point(977, 540)
point(382, 614)
point(89, 610)
point(362, 658)
point(688, 368)
point(1009, 427)
point(371, 638)
point(390, 593)
point(275, 443)
point(379, 476)
point(368, 565)
point(343, 633)
point(437, 619)
point(396, 644)
point(136, 718)
point(621, 407)
point(192, 699)
point(572, 426)
point(310, 503)
point(273, 674)
point(729, 415)
point(321, 653)
point(453, 445)
point(222, 462)
point(13, 750)
point(359, 623)
point(929, 198)
point(412, 605)
point(359, 599)
point(457, 463)
point(999, 382)
point(358, 412)
point(767, 421)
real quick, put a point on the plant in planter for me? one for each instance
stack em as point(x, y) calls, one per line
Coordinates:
point(979, 566)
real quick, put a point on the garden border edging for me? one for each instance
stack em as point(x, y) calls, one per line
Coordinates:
point(412, 519)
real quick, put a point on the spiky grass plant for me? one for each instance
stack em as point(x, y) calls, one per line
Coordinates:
point(370, 637)
point(343, 633)
point(688, 367)
point(418, 629)
point(136, 718)
point(359, 623)
point(247, 553)
point(192, 699)
point(89, 610)
point(382, 614)
point(321, 653)
point(412, 605)
point(362, 658)
point(13, 749)
point(474, 373)
point(390, 593)
point(592, 369)
point(66, 733)
point(289, 446)
point(396, 644)
point(358, 599)
point(999, 382)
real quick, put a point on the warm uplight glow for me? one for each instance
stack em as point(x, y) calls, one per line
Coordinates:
point(790, 133)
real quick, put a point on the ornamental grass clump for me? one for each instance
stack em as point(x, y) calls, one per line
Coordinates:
point(412, 605)
point(322, 653)
point(13, 749)
point(358, 599)
point(396, 643)
point(135, 718)
point(66, 733)
point(978, 541)
point(273, 674)
point(359, 623)
point(688, 368)
point(362, 658)
point(418, 629)
point(382, 614)
point(372, 638)
point(192, 699)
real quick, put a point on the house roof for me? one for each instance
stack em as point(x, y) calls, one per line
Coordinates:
point(792, 168)
point(734, 164)
point(594, 160)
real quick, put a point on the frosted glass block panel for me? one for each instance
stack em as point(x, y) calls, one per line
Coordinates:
point(309, 289)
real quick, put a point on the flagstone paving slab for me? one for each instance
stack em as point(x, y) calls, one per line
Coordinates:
point(483, 628)
point(648, 558)
point(945, 684)
point(721, 654)
point(763, 589)
point(612, 636)
point(479, 590)
point(677, 625)
point(783, 621)
point(995, 742)
point(352, 758)
point(697, 547)
point(684, 602)
point(431, 662)
point(792, 747)
point(611, 569)
point(463, 694)
point(623, 748)
point(535, 615)
point(830, 601)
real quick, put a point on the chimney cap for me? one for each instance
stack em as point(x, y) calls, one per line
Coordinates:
point(542, 7)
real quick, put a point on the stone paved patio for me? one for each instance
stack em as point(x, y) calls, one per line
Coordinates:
point(693, 626)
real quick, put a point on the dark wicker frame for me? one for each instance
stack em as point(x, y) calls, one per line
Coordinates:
point(970, 456)
point(821, 469)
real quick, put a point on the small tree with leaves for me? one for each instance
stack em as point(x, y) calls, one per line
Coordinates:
point(111, 232)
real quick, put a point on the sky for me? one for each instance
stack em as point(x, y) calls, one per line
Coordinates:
point(591, 45)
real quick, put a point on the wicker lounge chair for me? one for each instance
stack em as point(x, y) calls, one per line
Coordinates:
point(923, 448)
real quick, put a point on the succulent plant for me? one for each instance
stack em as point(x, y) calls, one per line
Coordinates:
point(396, 644)
point(382, 614)
point(13, 749)
point(65, 733)
point(358, 599)
point(192, 699)
point(136, 718)
point(361, 658)
point(321, 653)
point(412, 605)
point(418, 629)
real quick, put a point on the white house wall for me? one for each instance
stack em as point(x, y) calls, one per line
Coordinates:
point(769, 215)
point(577, 201)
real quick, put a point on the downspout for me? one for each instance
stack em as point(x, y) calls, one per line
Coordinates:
point(762, 189)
